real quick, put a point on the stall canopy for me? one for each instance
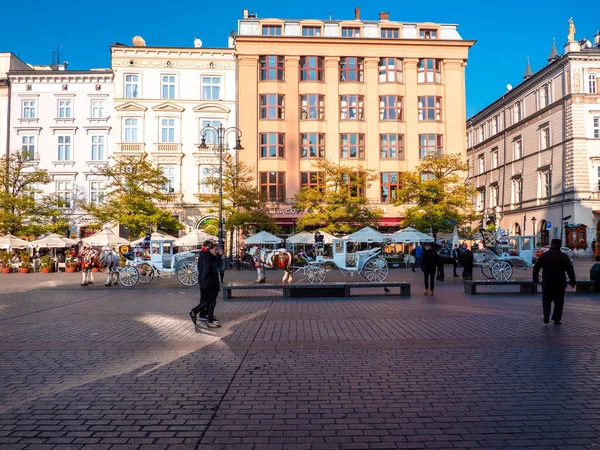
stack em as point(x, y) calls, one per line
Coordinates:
point(156, 236)
point(304, 237)
point(194, 238)
point(408, 235)
point(105, 237)
point(263, 238)
point(367, 234)
point(8, 241)
point(53, 241)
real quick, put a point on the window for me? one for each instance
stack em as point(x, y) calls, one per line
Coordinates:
point(494, 158)
point(494, 196)
point(272, 68)
point(271, 106)
point(63, 193)
point(389, 33)
point(546, 184)
point(97, 192)
point(98, 148)
point(65, 110)
point(592, 83)
point(544, 96)
point(311, 180)
point(131, 130)
point(426, 176)
point(517, 191)
point(132, 86)
point(312, 107)
point(211, 135)
point(495, 124)
point(390, 70)
point(211, 88)
point(271, 30)
point(207, 177)
point(167, 130)
point(272, 186)
point(351, 69)
point(311, 31)
point(169, 173)
point(430, 108)
point(351, 107)
point(390, 185)
point(517, 149)
point(272, 145)
point(167, 87)
point(481, 163)
point(356, 184)
point(480, 204)
point(597, 127)
point(312, 68)
point(350, 32)
point(64, 148)
point(481, 134)
point(98, 109)
point(430, 145)
point(391, 146)
point(598, 169)
point(29, 109)
point(352, 145)
point(427, 34)
point(28, 148)
point(544, 138)
point(429, 71)
point(312, 145)
point(517, 112)
point(390, 108)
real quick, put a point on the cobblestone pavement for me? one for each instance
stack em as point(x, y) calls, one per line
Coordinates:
point(104, 368)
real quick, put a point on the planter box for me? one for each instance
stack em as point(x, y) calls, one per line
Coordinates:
point(6, 270)
point(23, 270)
point(70, 269)
point(46, 269)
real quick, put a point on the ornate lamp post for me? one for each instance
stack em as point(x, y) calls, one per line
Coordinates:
point(220, 148)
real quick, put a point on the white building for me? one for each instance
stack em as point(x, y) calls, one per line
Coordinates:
point(534, 153)
point(62, 120)
point(8, 62)
point(163, 99)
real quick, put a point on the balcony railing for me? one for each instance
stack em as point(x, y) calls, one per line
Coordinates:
point(131, 147)
point(168, 147)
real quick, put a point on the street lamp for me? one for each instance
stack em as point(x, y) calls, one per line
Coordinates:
point(220, 148)
point(533, 221)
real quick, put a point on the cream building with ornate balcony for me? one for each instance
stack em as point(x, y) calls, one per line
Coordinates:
point(379, 94)
point(534, 153)
point(163, 99)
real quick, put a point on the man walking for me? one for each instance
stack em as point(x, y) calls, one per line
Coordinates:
point(429, 266)
point(455, 259)
point(202, 307)
point(554, 264)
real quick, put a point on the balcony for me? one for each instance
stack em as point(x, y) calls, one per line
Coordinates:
point(167, 147)
point(173, 198)
point(131, 147)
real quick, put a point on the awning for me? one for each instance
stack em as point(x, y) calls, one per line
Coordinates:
point(390, 221)
point(285, 221)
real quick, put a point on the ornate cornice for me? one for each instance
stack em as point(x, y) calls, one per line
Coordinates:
point(61, 78)
point(135, 61)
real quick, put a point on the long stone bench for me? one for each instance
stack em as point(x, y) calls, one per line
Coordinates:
point(526, 286)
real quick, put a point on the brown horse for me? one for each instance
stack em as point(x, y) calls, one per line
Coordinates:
point(280, 259)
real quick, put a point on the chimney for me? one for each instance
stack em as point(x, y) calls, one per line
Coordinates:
point(245, 14)
point(384, 16)
point(597, 38)
point(356, 13)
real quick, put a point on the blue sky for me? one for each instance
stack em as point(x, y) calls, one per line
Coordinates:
point(506, 32)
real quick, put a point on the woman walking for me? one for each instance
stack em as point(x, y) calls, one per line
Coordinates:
point(429, 263)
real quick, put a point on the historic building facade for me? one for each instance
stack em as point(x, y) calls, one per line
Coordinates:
point(534, 153)
point(377, 94)
point(164, 97)
point(8, 62)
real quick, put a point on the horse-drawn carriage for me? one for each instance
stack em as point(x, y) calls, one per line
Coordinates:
point(501, 255)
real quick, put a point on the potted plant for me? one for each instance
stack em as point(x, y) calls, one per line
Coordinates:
point(70, 265)
point(5, 261)
point(46, 263)
point(25, 262)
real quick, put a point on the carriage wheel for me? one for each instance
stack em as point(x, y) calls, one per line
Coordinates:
point(315, 273)
point(187, 273)
point(146, 273)
point(502, 270)
point(128, 276)
point(486, 270)
point(376, 270)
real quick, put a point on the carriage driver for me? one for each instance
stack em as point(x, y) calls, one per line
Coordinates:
point(319, 243)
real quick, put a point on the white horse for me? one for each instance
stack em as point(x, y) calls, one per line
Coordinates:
point(90, 258)
point(280, 259)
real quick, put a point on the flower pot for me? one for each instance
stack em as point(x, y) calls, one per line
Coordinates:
point(6, 270)
point(23, 270)
point(70, 269)
point(95, 269)
point(46, 269)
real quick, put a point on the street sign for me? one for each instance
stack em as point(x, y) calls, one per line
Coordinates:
point(548, 225)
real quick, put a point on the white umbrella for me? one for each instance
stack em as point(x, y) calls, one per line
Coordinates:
point(409, 234)
point(53, 241)
point(304, 237)
point(455, 238)
point(105, 237)
point(367, 234)
point(156, 237)
point(194, 238)
point(9, 241)
point(263, 238)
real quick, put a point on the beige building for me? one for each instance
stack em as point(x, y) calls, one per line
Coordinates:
point(534, 153)
point(380, 94)
point(8, 62)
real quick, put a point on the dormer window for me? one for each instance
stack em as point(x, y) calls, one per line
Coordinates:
point(390, 33)
point(271, 30)
point(425, 33)
point(311, 31)
point(350, 32)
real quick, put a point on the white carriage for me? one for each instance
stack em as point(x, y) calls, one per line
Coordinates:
point(159, 260)
point(368, 263)
point(504, 255)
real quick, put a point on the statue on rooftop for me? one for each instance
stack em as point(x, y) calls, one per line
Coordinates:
point(571, 30)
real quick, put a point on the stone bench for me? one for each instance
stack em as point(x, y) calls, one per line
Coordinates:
point(526, 286)
point(586, 287)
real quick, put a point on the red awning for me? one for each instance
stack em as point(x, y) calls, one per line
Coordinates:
point(390, 221)
point(597, 211)
point(284, 221)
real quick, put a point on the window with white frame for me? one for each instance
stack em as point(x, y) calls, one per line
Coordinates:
point(544, 138)
point(211, 135)
point(495, 124)
point(167, 129)
point(97, 192)
point(481, 133)
point(98, 153)
point(480, 200)
point(98, 109)
point(592, 83)
point(517, 191)
point(481, 163)
point(207, 177)
point(64, 148)
point(544, 96)
point(494, 196)
point(130, 129)
point(65, 109)
point(211, 88)
point(170, 173)
point(132, 86)
point(29, 109)
point(494, 158)
point(63, 193)
point(518, 112)
point(517, 149)
point(596, 127)
point(546, 184)
point(28, 148)
point(167, 86)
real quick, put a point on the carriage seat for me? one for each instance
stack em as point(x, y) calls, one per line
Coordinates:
point(129, 256)
point(350, 259)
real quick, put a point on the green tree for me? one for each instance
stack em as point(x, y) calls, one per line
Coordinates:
point(133, 196)
point(338, 204)
point(437, 195)
point(24, 208)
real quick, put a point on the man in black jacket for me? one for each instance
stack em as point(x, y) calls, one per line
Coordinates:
point(202, 307)
point(554, 264)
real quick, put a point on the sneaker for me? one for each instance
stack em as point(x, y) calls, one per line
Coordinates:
point(216, 321)
point(203, 318)
point(193, 316)
point(213, 325)
point(547, 318)
point(426, 292)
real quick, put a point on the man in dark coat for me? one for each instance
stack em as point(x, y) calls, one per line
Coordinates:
point(429, 264)
point(554, 264)
point(202, 307)
point(209, 284)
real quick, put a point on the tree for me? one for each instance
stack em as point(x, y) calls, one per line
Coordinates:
point(438, 194)
point(133, 191)
point(24, 208)
point(337, 203)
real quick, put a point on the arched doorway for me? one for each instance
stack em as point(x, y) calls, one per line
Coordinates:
point(210, 224)
point(544, 234)
point(516, 229)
